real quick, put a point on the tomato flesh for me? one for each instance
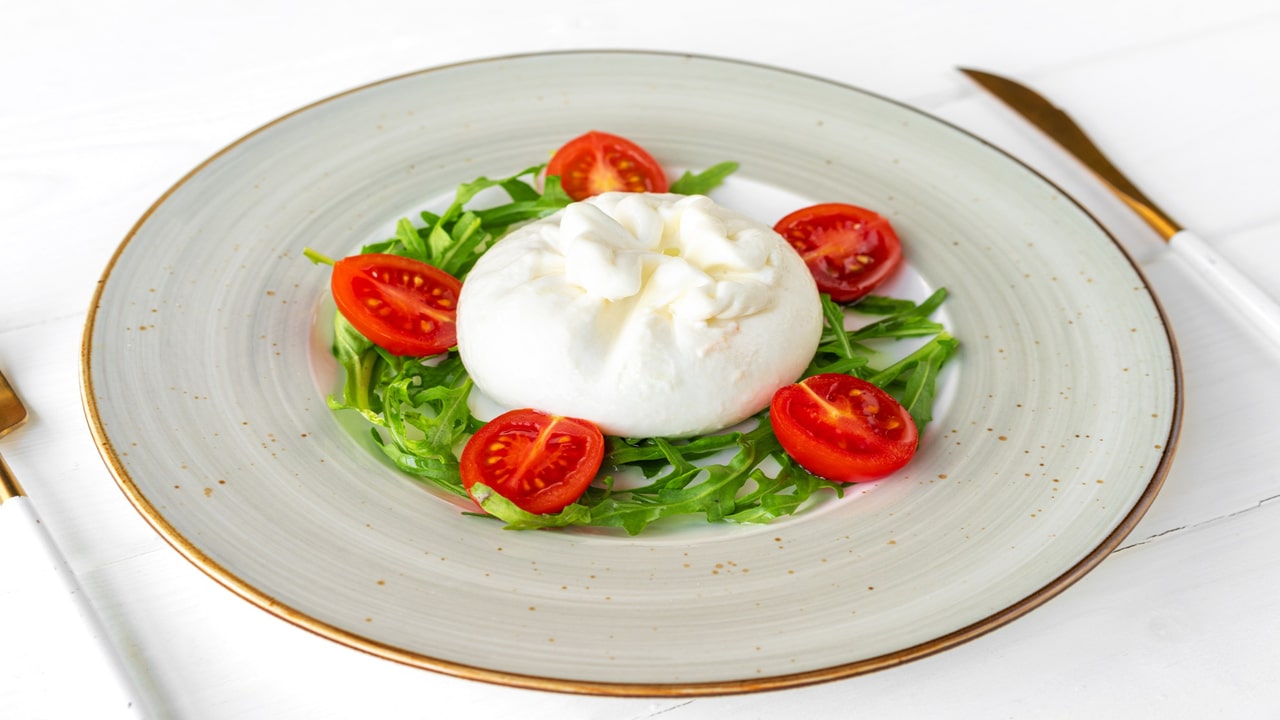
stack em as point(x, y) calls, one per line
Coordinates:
point(539, 462)
point(843, 428)
point(598, 162)
point(850, 250)
point(404, 306)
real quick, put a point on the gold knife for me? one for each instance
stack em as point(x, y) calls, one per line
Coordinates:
point(1212, 267)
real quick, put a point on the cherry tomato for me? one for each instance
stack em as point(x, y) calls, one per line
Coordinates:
point(599, 162)
point(843, 428)
point(405, 306)
point(850, 250)
point(538, 461)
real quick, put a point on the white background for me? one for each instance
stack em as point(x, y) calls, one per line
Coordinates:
point(103, 106)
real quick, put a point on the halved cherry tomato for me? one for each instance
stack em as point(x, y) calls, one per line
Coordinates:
point(850, 250)
point(843, 428)
point(405, 306)
point(599, 162)
point(538, 461)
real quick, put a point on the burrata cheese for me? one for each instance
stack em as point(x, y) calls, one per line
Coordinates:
point(648, 314)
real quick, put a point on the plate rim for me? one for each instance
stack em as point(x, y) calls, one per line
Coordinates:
point(266, 602)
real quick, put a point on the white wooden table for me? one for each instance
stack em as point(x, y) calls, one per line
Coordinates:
point(104, 106)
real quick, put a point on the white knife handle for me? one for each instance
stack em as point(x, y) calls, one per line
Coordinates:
point(54, 654)
point(1257, 305)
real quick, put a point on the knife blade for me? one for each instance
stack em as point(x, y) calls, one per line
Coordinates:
point(1229, 282)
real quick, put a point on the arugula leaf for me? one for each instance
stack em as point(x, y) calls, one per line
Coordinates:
point(412, 242)
point(705, 181)
point(456, 238)
point(714, 490)
point(517, 519)
point(770, 500)
point(908, 320)
point(418, 412)
point(913, 379)
point(358, 358)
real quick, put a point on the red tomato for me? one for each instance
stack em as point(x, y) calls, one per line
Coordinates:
point(599, 162)
point(850, 250)
point(538, 461)
point(405, 306)
point(843, 428)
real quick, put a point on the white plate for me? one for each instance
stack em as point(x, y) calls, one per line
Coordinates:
point(1063, 408)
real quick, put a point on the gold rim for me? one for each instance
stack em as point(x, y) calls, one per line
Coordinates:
point(232, 582)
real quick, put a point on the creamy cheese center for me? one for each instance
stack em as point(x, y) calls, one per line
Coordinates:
point(647, 314)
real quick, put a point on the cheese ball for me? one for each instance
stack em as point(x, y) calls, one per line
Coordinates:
point(649, 314)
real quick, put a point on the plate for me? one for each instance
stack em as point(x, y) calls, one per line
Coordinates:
point(198, 380)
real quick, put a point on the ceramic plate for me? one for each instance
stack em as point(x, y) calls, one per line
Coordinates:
point(202, 380)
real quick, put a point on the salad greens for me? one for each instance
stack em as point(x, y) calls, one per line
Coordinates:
point(456, 238)
point(418, 413)
point(691, 183)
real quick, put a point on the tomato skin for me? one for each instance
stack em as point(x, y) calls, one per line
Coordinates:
point(849, 249)
point(404, 306)
point(843, 428)
point(540, 462)
point(598, 162)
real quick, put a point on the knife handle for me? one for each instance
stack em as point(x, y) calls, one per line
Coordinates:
point(1257, 305)
point(55, 656)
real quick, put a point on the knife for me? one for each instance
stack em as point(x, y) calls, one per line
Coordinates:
point(1234, 286)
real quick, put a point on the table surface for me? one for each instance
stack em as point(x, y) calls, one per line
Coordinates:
point(106, 105)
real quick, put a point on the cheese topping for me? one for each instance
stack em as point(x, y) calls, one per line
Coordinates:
point(647, 314)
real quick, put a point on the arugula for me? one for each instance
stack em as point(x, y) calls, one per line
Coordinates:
point(418, 413)
point(704, 182)
point(456, 238)
point(912, 380)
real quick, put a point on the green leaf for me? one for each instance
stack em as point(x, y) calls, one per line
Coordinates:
point(833, 315)
point(359, 359)
point(907, 321)
point(705, 181)
point(553, 194)
point(438, 241)
point(468, 191)
point(517, 519)
point(433, 470)
point(392, 246)
point(921, 369)
point(408, 236)
point(880, 305)
point(456, 238)
point(464, 242)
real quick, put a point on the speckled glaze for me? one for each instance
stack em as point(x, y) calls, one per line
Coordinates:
point(1055, 430)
